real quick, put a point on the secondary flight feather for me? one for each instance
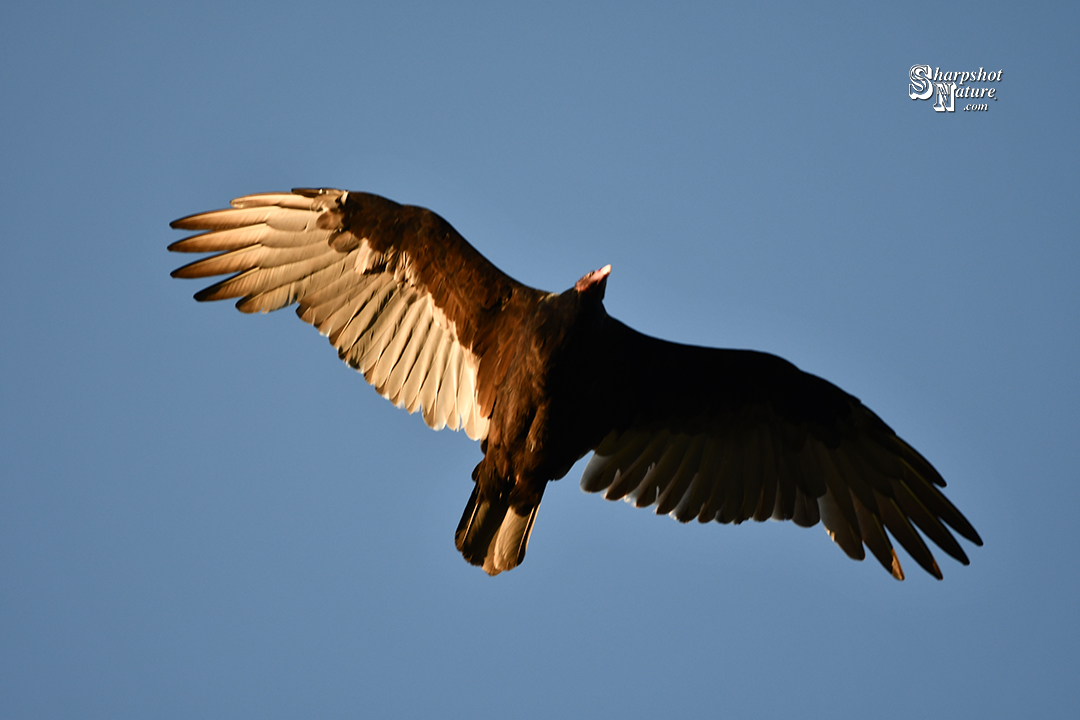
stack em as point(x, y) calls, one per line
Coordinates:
point(542, 379)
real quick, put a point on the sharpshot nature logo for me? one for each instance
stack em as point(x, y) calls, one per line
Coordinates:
point(948, 86)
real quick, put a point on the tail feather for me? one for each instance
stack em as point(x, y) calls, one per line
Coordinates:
point(494, 535)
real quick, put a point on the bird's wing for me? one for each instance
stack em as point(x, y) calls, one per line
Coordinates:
point(400, 294)
point(730, 435)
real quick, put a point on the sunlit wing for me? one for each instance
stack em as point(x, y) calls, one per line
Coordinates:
point(399, 293)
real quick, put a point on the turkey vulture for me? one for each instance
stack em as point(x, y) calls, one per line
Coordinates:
point(541, 379)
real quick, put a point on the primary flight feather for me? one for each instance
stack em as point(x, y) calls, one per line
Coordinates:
point(541, 379)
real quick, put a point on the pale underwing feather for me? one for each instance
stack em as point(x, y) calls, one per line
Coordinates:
point(277, 298)
point(421, 371)
point(874, 537)
point(227, 219)
point(448, 389)
point(331, 317)
point(400, 334)
point(435, 414)
point(375, 339)
point(291, 220)
point(232, 239)
point(667, 499)
point(701, 485)
point(465, 391)
point(383, 309)
point(838, 527)
point(708, 489)
point(257, 280)
point(252, 256)
point(405, 367)
point(609, 455)
point(626, 481)
point(661, 473)
point(339, 298)
point(285, 200)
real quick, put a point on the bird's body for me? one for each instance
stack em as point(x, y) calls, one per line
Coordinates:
point(544, 420)
point(542, 379)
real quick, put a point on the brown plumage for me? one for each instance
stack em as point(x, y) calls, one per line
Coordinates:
point(541, 379)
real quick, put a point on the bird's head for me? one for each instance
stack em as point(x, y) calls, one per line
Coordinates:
point(592, 285)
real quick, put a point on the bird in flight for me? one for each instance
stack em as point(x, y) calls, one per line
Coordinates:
point(541, 379)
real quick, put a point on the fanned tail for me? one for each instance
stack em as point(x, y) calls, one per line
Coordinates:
point(494, 535)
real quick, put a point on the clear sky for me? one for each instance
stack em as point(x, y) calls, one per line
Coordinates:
point(205, 514)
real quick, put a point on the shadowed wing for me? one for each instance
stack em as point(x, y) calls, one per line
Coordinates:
point(400, 294)
point(730, 435)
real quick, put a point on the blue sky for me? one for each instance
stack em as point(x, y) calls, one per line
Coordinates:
point(204, 514)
